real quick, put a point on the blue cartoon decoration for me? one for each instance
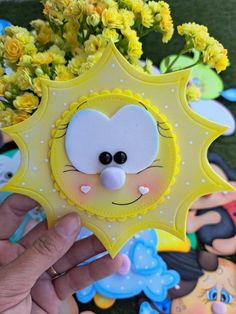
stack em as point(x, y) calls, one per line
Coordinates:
point(229, 94)
point(145, 308)
point(145, 272)
point(3, 24)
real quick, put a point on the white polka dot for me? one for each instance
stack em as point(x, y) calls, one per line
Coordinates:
point(140, 282)
point(168, 197)
point(54, 93)
point(190, 142)
point(113, 238)
point(171, 222)
point(161, 212)
point(172, 90)
point(150, 281)
point(176, 125)
point(203, 180)
point(46, 160)
point(40, 190)
point(26, 135)
point(157, 291)
point(140, 257)
point(122, 288)
point(143, 94)
point(23, 183)
point(89, 216)
point(187, 183)
point(63, 206)
point(91, 91)
point(109, 226)
point(183, 162)
point(162, 281)
point(54, 190)
point(107, 286)
point(53, 126)
point(206, 133)
point(65, 104)
point(42, 142)
point(166, 106)
point(113, 65)
point(121, 80)
point(140, 217)
point(34, 168)
point(127, 277)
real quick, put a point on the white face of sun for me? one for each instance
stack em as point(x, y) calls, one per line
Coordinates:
point(115, 164)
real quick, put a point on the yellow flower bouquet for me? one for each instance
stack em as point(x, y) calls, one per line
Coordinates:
point(73, 37)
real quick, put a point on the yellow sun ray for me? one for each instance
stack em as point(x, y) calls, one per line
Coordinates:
point(164, 95)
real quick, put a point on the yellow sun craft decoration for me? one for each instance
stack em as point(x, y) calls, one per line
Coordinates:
point(120, 147)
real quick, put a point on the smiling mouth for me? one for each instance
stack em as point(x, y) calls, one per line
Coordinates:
point(129, 202)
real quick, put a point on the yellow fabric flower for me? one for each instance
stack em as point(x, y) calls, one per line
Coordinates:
point(27, 102)
point(13, 49)
point(193, 93)
point(6, 117)
point(163, 20)
point(20, 116)
point(110, 34)
point(146, 16)
point(111, 18)
point(42, 58)
point(63, 73)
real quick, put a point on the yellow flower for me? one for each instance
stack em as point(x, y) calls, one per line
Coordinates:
point(6, 117)
point(70, 34)
point(111, 18)
point(37, 86)
point(42, 58)
point(23, 78)
point(27, 102)
point(128, 18)
point(75, 64)
point(74, 9)
point(95, 57)
point(196, 35)
point(110, 34)
point(25, 61)
point(137, 6)
point(2, 87)
point(135, 48)
point(13, 49)
point(216, 55)
point(63, 73)
point(45, 33)
point(146, 16)
point(163, 21)
point(25, 38)
point(93, 19)
point(94, 44)
point(193, 93)
point(30, 49)
point(200, 41)
point(20, 116)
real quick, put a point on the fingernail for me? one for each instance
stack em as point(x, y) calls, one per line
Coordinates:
point(68, 226)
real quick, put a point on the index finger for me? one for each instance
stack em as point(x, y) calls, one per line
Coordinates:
point(12, 212)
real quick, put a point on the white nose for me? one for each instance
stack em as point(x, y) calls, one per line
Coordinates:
point(113, 178)
point(218, 308)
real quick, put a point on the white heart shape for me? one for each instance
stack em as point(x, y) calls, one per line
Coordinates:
point(85, 189)
point(143, 190)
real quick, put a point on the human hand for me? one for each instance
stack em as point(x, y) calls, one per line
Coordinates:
point(25, 285)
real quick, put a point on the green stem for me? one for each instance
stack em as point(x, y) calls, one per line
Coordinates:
point(182, 52)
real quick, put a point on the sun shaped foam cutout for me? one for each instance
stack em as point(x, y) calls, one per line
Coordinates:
point(120, 147)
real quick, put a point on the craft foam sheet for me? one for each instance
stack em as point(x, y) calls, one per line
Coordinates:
point(120, 147)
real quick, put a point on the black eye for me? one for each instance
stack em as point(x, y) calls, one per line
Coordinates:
point(105, 158)
point(120, 158)
point(8, 175)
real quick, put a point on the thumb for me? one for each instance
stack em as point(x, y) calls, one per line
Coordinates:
point(45, 251)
